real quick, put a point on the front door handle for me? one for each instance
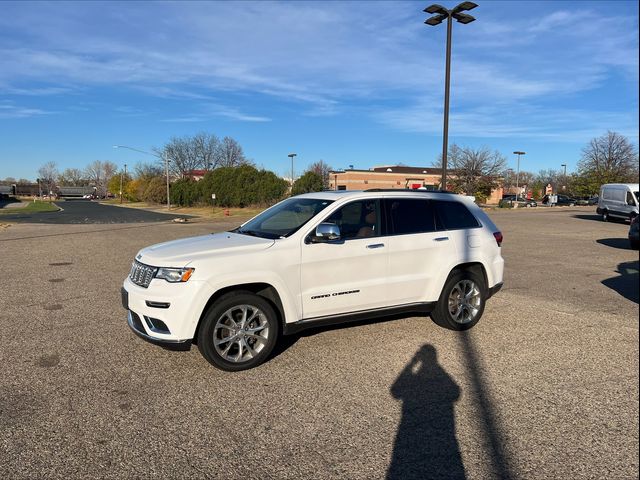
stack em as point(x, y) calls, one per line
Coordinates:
point(376, 245)
point(440, 239)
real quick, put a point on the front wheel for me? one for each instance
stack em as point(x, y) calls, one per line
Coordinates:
point(238, 332)
point(462, 301)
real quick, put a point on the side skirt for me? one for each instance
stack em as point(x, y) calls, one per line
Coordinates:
point(295, 327)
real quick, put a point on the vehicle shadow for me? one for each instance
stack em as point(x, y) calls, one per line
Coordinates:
point(426, 444)
point(626, 283)
point(287, 341)
point(6, 201)
point(621, 243)
point(593, 216)
point(598, 218)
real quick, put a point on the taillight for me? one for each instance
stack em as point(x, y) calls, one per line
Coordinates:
point(498, 237)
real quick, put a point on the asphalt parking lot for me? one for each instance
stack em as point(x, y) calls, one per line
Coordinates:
point(545, 386)
point(86, 211)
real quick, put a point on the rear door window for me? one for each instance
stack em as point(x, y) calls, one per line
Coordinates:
point(455, 215)
point(410, 215)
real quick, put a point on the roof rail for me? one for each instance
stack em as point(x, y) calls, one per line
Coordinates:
point(407, 190)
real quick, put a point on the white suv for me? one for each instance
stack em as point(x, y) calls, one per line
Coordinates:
point(312, 260)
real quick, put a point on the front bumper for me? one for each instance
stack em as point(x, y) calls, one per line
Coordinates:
point(136, 326)
point(162, 314)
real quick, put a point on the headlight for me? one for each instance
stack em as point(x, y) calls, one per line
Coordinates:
point(174, 275)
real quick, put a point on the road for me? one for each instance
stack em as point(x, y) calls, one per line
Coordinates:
point(86, 211)
point(545, 386)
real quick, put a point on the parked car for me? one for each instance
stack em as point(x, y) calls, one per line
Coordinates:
point(618, 200)
point(634, 233)
point(312, 260)
point(561, 200)
point(587, 200)
point(510, 200)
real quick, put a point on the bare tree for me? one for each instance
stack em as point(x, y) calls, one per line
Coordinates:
point(8, 181)
point(230, 154)
point(72, 177)
point(47, 174)
point(322, 169)
point(99, 173)
point(148, 170)
point(610, 158)
point(182, 155)
point(475, 171)
point(511, 178)
point(206, 146)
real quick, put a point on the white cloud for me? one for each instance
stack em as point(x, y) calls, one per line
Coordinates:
point(8, 111)
point(326, 57)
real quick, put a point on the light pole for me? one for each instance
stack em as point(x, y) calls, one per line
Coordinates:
point(125, 172)
point(161, 157)
point(463, 18)
point(564, 177)
point(291, 155)
point(518, 175)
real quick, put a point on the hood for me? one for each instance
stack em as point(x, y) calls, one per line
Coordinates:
point(179, 253)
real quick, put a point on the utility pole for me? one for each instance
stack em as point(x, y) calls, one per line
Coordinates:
point(121, 175)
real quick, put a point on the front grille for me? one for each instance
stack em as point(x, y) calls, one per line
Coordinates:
point(142, 274)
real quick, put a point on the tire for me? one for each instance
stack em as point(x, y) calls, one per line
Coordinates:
point(449, 306)
point(634, 244)
point(605, 216)
point(250, 325)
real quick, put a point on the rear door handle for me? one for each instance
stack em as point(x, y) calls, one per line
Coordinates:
point(440, 239)
point(376, 245)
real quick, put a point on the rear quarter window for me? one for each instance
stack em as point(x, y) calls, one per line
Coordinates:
point(455, 215)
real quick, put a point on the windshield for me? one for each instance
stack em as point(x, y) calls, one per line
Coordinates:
point(283, 219)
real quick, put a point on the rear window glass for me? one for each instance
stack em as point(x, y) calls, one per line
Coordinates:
point(455, 216)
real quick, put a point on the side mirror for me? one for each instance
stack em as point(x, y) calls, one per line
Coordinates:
point(326, 232)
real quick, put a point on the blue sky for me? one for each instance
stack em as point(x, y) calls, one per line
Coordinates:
point(352, 83)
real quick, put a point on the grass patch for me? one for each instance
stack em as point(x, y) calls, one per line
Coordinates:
point(204, 212)
point(31, 207)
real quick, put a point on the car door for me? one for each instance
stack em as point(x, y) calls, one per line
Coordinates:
point(418, 251)
point(349, 274)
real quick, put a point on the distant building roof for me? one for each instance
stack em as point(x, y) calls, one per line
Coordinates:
point(405, 169)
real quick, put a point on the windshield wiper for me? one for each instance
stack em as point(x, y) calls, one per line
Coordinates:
point(257, 233)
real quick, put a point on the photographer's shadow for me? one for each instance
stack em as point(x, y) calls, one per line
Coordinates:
point(426, 445)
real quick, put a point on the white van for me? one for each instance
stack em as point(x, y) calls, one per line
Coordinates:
point(618, 200)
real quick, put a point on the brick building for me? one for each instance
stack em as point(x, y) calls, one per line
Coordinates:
point(394, 177)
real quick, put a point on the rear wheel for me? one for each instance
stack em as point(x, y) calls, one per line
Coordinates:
point(462, 300)
point(238, 332)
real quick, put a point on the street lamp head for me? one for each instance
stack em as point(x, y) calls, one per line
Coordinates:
point(435, 8)
point(518, 153)
point(464, 6)
point(463, 18)
point(292, 155)
point(437, 20)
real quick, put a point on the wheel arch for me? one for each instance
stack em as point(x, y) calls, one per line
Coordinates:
point(264, 290)
point(476, 267)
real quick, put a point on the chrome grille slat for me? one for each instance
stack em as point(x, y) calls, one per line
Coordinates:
point(142, 274)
